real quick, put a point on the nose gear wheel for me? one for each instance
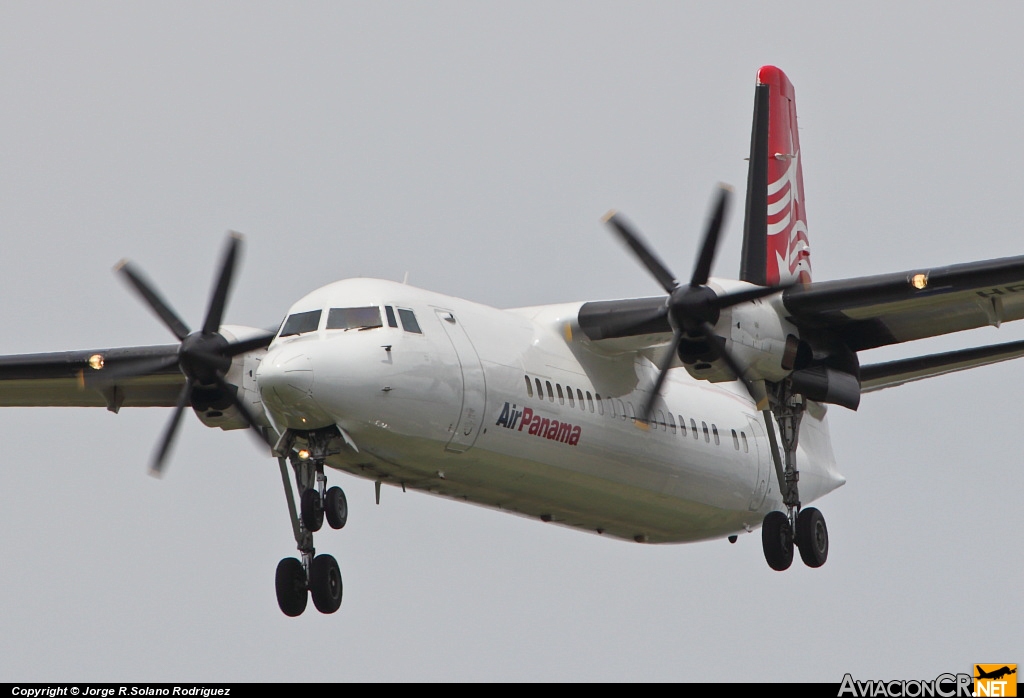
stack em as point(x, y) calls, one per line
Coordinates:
point(336, 508)
point(316, 576)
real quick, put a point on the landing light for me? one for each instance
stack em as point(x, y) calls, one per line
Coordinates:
point(96, 361)
point(303, 454)
point(919, 281)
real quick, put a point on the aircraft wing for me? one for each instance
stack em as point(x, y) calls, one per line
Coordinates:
point(892, 373)
point(875, 311)
point(72, 378)
point(864, 313)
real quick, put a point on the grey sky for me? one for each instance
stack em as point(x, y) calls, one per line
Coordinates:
point(475, 146)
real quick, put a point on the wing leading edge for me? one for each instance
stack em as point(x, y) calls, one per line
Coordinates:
point(844, 317)
point(864, 313)
point(875, 311)
point(80, 379)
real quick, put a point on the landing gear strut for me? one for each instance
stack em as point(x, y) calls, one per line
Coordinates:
point(804, 527)
point(313, 575)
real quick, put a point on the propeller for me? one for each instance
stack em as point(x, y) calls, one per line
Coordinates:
point(693, 309)
point(204, 356)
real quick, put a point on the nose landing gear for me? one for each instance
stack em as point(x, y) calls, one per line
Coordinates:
point(316, 576)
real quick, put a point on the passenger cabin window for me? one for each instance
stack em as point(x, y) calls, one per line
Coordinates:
point(540, 390)
point(390, 312)
point(551, 393)
point(682, 426)
point(600, 404)
point(693, 427)
point(714, 430)
point(561, 398)
point(746, 448)
point(354, 318)
point(409, 323)
point(579, 398)
point(671, 423)
point(707, 436)
point(529, 392)
point(300, 323)
point(590, 401)
point(735, 440)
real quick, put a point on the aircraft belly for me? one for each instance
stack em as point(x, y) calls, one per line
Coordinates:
point(631, 501)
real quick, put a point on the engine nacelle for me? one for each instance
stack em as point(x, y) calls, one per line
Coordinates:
point(827, 384)
point(215, 409)
point(756, 334)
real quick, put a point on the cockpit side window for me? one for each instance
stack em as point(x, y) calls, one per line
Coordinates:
point(409, 323)
point(300, 323)
point(392, 322)
point(354, 318)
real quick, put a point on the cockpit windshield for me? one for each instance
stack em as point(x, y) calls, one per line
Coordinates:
point(300, 323)
point(354, 318)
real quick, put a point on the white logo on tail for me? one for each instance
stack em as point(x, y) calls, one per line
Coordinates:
point(787, 230)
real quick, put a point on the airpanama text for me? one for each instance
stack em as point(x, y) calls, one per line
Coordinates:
point(535, 425)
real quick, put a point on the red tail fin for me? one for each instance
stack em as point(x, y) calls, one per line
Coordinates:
point(775, 246)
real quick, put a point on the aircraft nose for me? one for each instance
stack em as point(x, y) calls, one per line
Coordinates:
point(285, 378)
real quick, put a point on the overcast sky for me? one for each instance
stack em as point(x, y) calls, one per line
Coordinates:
point(475, 147)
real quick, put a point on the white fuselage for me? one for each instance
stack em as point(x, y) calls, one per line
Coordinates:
point(477, 406)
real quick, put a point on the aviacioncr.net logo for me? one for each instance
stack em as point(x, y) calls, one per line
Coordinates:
point(943, 686)
point(995, 680)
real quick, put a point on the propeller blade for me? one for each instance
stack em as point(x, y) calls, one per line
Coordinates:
point(246, 414)
point(715, 341)
point(666, 363)
point(157, 467)
point(153, 299)
point(218, 301)
point(730, 299)
point(702, 270)
point(249, 344)
point(129, 368)
point(203, 357)
point(646, 256)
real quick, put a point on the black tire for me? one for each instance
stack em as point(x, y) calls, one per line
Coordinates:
point(312, 510)
point(290, 583)
point(336, 508)
point(325, 583)
point(812, 537)
point(777, 541)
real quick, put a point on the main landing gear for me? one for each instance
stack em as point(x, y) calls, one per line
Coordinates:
point(778, 535)
point(803, 527)
point(312, 575)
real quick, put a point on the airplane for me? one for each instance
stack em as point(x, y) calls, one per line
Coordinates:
point(698, 413)
point(996, 673)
